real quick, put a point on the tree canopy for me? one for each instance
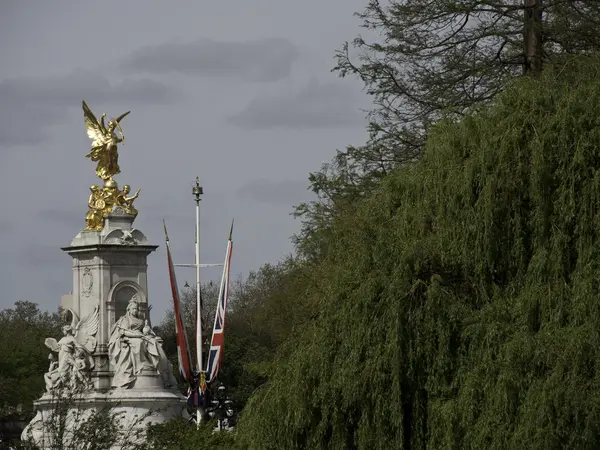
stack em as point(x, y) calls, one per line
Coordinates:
point(422, 60)
point(24, 357)
point(458, 305)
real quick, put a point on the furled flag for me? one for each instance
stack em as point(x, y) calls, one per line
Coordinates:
point(196, 393)
point(183, 353)
point(215, 355)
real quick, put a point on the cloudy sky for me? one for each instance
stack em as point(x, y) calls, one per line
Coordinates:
point(238, 93)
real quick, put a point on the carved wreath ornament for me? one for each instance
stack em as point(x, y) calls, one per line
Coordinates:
point(87, 282)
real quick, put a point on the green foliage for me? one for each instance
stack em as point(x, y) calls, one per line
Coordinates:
point(67, 426)
point(421, 60)
point(180, 435)
point(457, 307)
point(24, 357)
point(264, 310)
point(427, 58)
point(351, 175)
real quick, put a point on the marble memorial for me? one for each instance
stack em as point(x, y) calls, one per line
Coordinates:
point(108, 355)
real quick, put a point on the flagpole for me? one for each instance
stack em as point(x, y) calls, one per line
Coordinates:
point(197, 191)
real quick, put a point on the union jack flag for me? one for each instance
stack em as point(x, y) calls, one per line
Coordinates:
point(215, 354)
point(196, 395)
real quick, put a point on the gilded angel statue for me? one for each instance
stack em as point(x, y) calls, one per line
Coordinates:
point(74, 350)
point(104, 142)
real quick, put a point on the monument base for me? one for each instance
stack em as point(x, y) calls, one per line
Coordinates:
point(131, 410)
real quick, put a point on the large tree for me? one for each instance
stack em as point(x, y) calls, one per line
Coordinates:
point(23, 355)
point(424, 59)
point(458, 305)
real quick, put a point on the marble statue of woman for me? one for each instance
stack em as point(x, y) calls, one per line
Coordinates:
point(133, 348)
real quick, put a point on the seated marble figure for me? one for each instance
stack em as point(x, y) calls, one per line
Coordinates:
point(133, 347)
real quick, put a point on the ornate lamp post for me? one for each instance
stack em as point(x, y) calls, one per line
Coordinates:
point(221, 408)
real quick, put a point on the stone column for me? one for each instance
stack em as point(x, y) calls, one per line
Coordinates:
point(109, 268)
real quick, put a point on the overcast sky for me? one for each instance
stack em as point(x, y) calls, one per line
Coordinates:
point(236, 92)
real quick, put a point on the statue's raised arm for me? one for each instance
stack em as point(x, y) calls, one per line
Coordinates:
point(104, 142)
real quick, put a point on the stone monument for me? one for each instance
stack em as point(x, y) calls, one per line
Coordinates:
point(108, 357)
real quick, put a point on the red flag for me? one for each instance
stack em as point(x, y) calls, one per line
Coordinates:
point(183, 353)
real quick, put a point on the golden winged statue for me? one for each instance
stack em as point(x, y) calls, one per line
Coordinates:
point(104, 142)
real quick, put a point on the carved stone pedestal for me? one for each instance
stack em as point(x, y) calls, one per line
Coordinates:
point(133, 409)
point(109, 277)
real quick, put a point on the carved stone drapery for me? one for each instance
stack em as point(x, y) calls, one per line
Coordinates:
point(133, 348)
point(75, 354)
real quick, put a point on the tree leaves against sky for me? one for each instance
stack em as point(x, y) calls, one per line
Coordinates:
point(423, 60)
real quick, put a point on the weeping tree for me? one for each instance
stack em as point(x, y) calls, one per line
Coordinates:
point(432, 57)
point(458, 305)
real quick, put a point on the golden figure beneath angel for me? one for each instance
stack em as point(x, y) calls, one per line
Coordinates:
point(102, 201)
point(104, 142)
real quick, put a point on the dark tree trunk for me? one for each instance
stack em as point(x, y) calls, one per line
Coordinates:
point(532, 37)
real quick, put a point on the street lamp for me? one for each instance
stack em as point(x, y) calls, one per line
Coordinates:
point(221, 408)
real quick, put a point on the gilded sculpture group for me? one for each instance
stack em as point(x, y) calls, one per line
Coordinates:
point(133, 347)
point(104, 152)
point(102, 201)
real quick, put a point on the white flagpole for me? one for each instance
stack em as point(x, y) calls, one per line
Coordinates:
point(197, 192)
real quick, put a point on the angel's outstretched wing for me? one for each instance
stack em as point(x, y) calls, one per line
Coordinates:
point(52, 344)
point(74, 318)
point(95, 131)
point(118, 119)
point(86, 329)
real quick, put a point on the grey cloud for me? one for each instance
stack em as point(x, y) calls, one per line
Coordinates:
point(327, 105)
point(23, 124)
point(287, 192)
point(69, 90)
point(49, 257)
point(260, 60)
point(6, 226)
point(28, 106)
point(68, 218)
point(49, 268)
